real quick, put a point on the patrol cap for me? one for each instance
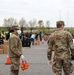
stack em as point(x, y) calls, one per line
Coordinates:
point(59, 23)
point(15, 27)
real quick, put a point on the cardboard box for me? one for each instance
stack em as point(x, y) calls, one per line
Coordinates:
point(1, 46)
point(5, 42)
point(5, 48)
point(1, 51)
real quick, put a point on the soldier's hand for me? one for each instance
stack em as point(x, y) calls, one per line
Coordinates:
point(22, 57)
point(50, 62)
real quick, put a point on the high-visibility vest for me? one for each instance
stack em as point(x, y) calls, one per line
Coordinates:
point(3, 35)
point(10, 34)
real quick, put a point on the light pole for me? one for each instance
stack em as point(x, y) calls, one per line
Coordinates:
point(67, 17)
point(59, 15)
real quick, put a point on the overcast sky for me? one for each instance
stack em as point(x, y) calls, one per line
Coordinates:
point(52, 10)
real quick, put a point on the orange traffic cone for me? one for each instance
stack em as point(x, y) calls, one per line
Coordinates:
point(42, 40)
point(8, 61)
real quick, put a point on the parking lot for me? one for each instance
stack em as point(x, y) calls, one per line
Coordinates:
point(36, 56)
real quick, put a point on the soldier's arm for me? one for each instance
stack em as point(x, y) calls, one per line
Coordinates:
point(14, 48)
point(49, 51)
point(72, 49)
point(71, 44)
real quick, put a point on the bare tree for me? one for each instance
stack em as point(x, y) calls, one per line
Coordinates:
point(32, 24)
point(15, 22)
point(41, 26)
point(48, 25)
point(5, 22)
point(8, 22)
point(22, 23)
point(40, 23)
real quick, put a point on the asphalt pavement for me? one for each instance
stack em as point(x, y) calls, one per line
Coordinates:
point(36, 56)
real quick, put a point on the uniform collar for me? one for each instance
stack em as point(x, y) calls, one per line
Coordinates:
point(58, 29)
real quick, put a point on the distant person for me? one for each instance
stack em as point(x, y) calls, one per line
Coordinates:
point(15, 51)
point(27, 34)
point(1, 39)
point(8, 34)
point(32, 38)
point(36, 38)
point(3, 34)
point(62, 42)
point(40, 36)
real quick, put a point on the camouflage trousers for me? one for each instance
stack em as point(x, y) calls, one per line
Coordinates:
point(15, 63)
point(66, 65)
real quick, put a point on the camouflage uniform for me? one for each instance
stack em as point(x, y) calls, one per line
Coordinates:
point(62, 43)
point(15, 51)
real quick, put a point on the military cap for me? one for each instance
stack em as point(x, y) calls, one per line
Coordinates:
point(15, 27)
point(60, 22)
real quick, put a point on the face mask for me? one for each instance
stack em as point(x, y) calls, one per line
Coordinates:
point(19, 31)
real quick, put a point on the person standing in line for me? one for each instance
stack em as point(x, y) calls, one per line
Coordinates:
point(62, 42)
point(38, 40)
point(33, 38)
point(3, 34)
point(15, 50)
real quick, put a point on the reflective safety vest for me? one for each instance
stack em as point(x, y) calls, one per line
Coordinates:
point(3, 35)
point(10, 34)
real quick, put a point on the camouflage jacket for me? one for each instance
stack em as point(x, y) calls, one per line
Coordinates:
point(15, 46)
point(62, 43)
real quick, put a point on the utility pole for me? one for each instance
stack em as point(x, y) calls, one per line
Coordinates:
point(59, 15)
point(67, 17)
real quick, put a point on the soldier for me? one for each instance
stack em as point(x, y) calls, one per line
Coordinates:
point(62, 42)
point(15, 50)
